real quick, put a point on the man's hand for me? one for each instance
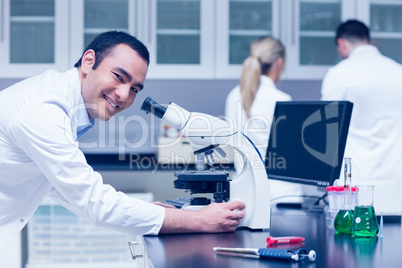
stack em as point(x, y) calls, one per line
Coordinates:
point(216, 217)
point(222, 217)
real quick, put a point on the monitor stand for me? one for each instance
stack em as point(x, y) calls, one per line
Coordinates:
point(312, 204)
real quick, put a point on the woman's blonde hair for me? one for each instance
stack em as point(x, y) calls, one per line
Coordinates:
point(263, 53)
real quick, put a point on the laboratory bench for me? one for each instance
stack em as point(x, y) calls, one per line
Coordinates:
point(196, 250)
point(333, 250)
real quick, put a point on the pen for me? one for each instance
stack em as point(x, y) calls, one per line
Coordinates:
point(284, 239)
point(280, 254)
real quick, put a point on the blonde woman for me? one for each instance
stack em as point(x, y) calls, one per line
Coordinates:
point(250, 105)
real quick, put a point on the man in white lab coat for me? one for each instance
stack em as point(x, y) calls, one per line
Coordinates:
point(373, 83)
point(41, 120)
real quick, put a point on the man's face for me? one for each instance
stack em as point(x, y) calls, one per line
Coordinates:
point(114, 84)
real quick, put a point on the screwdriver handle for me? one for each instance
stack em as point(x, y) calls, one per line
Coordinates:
point(282, 254)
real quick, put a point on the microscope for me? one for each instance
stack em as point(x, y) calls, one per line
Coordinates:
point(206, 133)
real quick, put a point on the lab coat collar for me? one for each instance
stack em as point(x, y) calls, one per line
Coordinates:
point(267, 81)
point(363, 49)
point(81, 121)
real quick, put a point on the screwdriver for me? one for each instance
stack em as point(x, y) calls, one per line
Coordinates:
point(280, 254)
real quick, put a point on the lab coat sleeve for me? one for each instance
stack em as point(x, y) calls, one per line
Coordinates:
point(42, 129)
point(332, 86)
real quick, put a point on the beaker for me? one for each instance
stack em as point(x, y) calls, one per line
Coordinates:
point(364, 223)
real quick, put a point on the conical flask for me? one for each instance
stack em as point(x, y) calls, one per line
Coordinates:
point(343, 220)
point(364, 222)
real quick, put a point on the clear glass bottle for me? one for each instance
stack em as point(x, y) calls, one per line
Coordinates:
point(343, 220)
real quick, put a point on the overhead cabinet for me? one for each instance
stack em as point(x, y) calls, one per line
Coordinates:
point(190, 39)
point(308, 30)
point(33, 36)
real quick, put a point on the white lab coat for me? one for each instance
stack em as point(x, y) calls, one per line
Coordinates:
point(373, 83)
point(258, 127)
point(39, 156)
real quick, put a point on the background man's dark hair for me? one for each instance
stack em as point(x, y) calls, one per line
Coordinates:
point(353, 31)
point(105, 42)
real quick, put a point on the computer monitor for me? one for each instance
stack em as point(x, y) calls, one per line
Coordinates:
point(307, 141)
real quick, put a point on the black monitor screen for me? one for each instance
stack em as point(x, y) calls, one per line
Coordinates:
point(307, 141)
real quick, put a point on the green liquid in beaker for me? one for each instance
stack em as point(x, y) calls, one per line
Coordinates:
point(364, 222)
point(343, 221)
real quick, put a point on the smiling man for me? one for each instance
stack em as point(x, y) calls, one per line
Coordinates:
point(41, 120)
point(112, 86)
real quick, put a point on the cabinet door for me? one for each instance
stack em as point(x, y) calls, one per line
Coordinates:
point(239, 23)
point(386, 27)
point(179, 37)
point(311, 39)
point(33, 37)
point(92, 17)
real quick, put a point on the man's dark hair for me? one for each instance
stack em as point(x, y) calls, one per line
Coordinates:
point(353, 31)
point(105, 42)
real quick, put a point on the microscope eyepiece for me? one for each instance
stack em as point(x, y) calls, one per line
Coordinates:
point(149, 105)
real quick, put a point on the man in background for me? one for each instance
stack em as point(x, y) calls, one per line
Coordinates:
point(373, 83)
